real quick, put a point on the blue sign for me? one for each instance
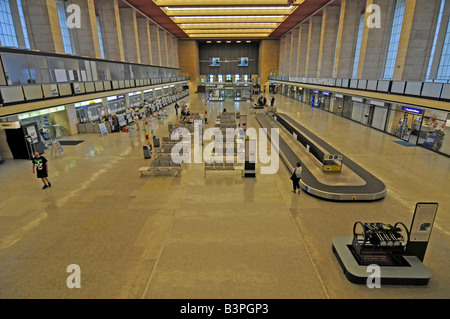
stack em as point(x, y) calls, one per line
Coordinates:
point(412, 110)
point(120, 96)
point(326, 93)
point(316, 91)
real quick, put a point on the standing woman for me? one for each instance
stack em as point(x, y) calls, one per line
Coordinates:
point(296, 176)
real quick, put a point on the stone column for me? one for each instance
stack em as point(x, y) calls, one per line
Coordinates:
point(267, 60)
point(17, 23)
point(440, 40)
point(130, 35)
point(189, 62)
point(45, 30)
point(312, 58)
point(163, 47)
point(175, 53)
point(154, 38)
point(347, 38)
point(303, 36)
point(169, 40)
point(287, 54)
point(112, 30)
point(328, 36)
point(87, 42)
point(375, 42)
point(416, 40)
point(145, 45)
point(294, 53)
point(282, 56)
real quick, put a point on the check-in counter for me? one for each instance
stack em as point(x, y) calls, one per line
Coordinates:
point(97, 128)
point(85, 127)
point(81, 127)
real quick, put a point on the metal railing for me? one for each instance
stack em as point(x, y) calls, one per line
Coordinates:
point(428, 90)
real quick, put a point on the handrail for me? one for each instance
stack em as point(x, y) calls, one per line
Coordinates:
point(20, 94)
point(428, 90)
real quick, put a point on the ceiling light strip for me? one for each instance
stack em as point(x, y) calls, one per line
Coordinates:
point(231, 17)
point(226, 8)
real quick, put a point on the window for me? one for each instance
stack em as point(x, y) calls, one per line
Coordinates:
point(64, 28)
point(358, 46)
point(100, 38)
point(433, 50)
point(395, 39)
point(443, 74)
point(8, 37)
point(24, 25)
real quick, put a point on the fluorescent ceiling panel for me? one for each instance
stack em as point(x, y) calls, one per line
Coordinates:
point(228, 18)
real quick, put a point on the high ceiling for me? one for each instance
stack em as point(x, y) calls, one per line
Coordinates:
point(228, 19)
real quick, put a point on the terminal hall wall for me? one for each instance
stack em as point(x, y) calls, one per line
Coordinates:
point(231, 52)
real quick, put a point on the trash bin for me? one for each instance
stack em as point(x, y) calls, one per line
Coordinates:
point(156, 141)
point(147, 151)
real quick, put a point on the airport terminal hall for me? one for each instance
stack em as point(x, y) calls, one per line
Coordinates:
point(252, 151)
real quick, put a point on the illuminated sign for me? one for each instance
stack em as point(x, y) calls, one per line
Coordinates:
point(41, 112)
point(412, 110)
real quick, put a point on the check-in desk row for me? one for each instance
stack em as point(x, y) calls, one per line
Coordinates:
point(92, 127)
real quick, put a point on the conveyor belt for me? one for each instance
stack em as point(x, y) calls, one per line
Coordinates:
point(353, 184)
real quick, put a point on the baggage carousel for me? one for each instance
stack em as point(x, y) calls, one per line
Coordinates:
point(297, 144)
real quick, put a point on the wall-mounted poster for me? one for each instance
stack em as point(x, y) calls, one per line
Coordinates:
point(243, 61)
point(31, 130)
point(214, 61)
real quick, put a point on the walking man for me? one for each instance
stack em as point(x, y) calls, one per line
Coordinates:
point(40, 165)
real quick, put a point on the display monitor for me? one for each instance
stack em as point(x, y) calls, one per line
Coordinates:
point(214, 61)
point(243, 61)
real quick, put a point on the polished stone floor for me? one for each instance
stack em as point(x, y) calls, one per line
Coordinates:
point(219, 236)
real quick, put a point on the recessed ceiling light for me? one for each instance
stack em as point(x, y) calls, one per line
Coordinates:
point(208, 41)
point(238, 41)
point(248, 41)
point(219, 41)
point(228, 41)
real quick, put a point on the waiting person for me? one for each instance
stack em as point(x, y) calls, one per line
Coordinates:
point(40, 165)
point(296, 176)
point(272, 100)
point(115, 120)
point(176, 108)
point(136, 121)
point(130, 130)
